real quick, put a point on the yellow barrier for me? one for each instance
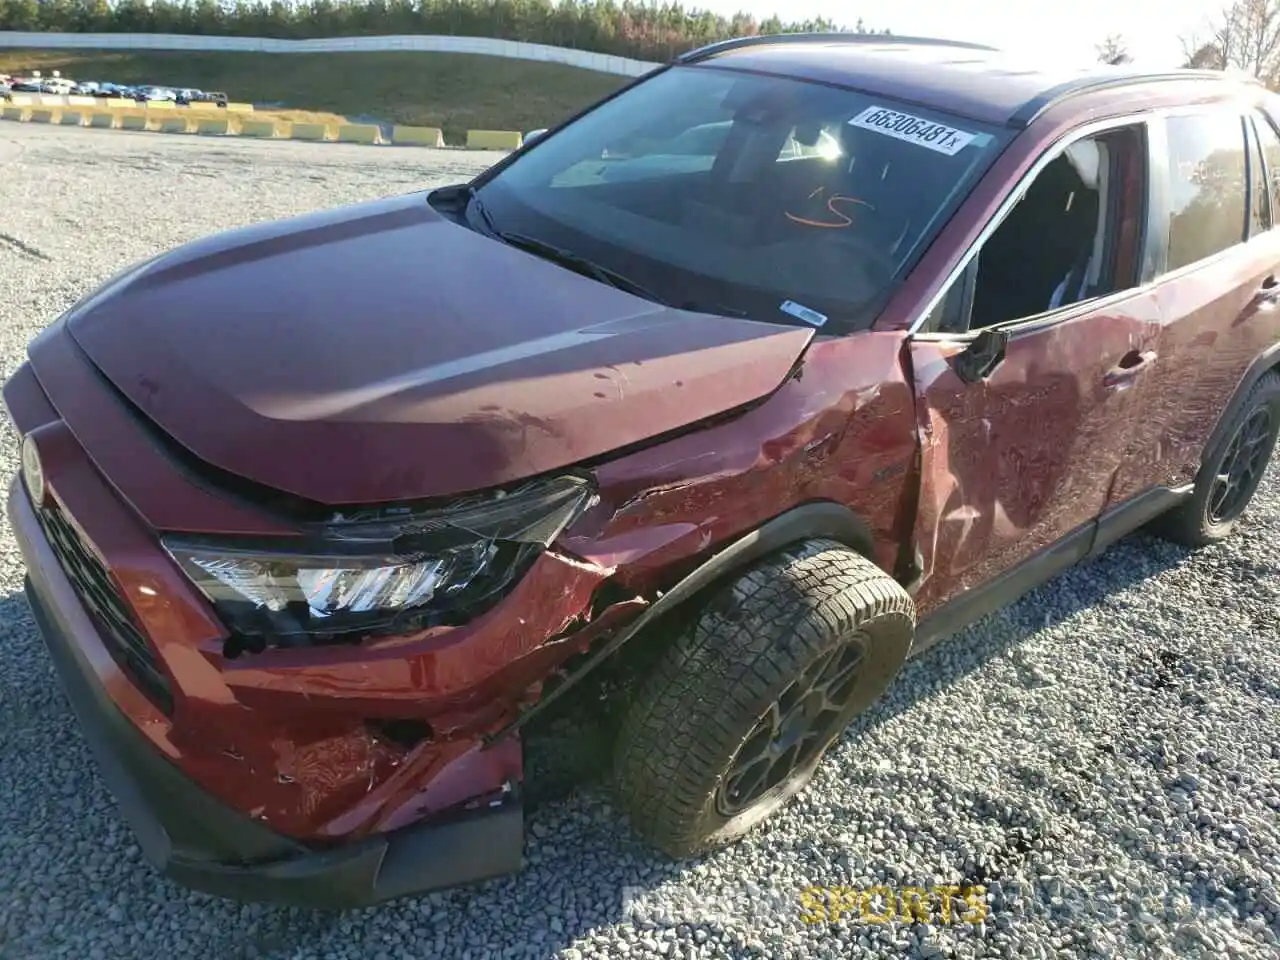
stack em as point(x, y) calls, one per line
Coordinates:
point(260, 128)
point(214, 126)
point(311, 131)
point(104, 119)
point(16, 113)
point(46, 115)
point(239, 107)
point(160, 105)
point(52, 99)
point(80, 101)
point(74, 118)
point(493, 139)
point(119, 103)
point(359, 133)
point(133, 121)
point(21, 99)
point(418, 136)
point(204, 106)
point(175, 125)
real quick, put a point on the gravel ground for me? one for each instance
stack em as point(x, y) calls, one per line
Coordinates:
point(1104, 757)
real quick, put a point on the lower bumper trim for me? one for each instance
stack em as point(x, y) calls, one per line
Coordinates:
point(196, 840)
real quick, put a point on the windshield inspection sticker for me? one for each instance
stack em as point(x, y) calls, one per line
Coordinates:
point(800, 311)
point(903, 126)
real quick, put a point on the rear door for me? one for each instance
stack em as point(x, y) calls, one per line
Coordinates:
point(1216, 179)
point(1023, 377)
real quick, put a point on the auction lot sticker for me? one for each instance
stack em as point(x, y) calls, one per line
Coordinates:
point(903, 126)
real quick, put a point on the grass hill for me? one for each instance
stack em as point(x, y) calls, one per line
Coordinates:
point(454, 91)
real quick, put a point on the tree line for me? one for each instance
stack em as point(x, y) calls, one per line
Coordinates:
point(628, 28)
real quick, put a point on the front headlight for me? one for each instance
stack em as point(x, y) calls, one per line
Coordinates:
point(379, 570)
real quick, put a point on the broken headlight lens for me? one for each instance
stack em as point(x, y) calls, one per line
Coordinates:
point(379, 569)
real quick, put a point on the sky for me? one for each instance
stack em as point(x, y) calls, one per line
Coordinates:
point(1066, 30)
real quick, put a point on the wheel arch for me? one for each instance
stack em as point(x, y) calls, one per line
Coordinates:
point(817, 518)
point(1266, 362)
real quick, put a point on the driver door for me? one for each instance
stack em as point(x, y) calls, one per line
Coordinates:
point(1024, 413)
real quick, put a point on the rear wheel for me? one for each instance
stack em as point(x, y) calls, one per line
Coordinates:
point(736, 716)
point(1226, 484)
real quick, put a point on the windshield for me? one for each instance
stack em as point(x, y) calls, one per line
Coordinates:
point(750, 195)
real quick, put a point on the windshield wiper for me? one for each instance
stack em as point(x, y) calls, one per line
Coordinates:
point(475, 203)
point(575, 261)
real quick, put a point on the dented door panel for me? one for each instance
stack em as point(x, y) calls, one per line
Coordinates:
point(1013, 463)
point(1215, 320)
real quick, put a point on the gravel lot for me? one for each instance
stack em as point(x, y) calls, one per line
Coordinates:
point(1104, 756)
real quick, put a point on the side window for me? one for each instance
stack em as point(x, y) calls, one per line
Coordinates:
point(1259, 194)
point(1075, 234)
point(1270, 142)
point(1206, 186)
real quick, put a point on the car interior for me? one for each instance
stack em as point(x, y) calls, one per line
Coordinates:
point(1072, 237)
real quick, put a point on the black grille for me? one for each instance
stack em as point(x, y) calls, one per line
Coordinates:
point(98, 594)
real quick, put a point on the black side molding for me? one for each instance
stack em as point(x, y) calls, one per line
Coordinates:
point(818, 519)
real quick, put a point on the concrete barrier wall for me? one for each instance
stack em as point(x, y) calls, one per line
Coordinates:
point(243, 125)
point(486, 46)
point(359, 133)
point(259, 128)
point(493, 140)
point(417, 136)
point(180, 124)
point(213, 126)
point(311, 131)
point(108, 114)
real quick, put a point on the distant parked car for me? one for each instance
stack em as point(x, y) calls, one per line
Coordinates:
point(88, 88)
point(188, 96)
point(155, 95)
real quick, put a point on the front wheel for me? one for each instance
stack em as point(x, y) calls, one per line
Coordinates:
point(736, 716)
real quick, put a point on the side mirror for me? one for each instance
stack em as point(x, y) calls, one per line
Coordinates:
point(982, 356)
point(534, 134)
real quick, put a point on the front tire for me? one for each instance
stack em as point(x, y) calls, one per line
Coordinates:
point(736, 716)
point(1226, 483)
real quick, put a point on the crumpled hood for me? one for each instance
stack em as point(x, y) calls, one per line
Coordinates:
point(379, 352)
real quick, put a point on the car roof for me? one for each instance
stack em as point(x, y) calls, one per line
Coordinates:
point(969, 79)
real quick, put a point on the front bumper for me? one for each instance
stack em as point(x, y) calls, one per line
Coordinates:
point(205, 845)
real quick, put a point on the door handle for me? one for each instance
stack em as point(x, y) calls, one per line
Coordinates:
point(1269, 292)
point(1131, 365)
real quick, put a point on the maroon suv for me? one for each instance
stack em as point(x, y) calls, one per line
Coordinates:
point(776, 367)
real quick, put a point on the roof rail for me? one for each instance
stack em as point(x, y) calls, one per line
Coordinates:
point(1037, 105)
point(736, 43)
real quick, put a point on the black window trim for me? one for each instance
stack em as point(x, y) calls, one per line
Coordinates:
point(1258, 113)
point(1036, 322)
point(1253, 154)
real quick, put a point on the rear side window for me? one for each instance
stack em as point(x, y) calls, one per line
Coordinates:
point(1207, 178)
point(1270, 143)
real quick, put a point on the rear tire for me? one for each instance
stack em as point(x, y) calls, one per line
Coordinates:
point(1226, 483)
point(736, 716)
